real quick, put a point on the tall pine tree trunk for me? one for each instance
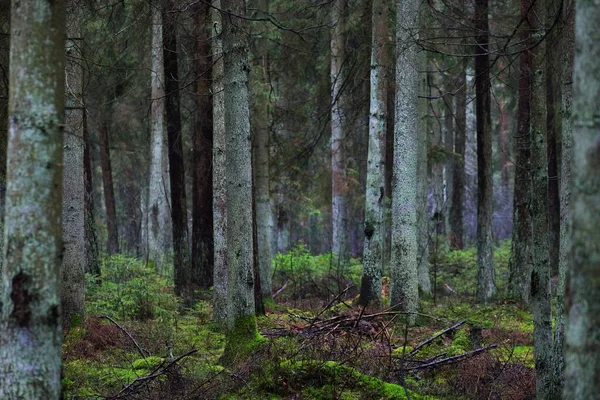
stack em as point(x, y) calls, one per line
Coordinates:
point(261, 155)
point(404, 291)
point(338, 133)
point(219, 181)
point(4, 73)
point(30, 307)
point(73, 225)
point(370, 289)
point(91, 236)
point(181, 251)
point(456, 212)
point(566, 186)
point(158, 215)
point(109, 193)
point(520, 256)
point(486, 286)
point(243, 332)
point(582, 374)
point(202, 191)
point(540, 275)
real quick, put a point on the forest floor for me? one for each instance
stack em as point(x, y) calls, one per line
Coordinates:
point(136, 344)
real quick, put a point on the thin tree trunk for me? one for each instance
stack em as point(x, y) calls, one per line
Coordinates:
point(370, 289)
point(540, 275)
point(486, 286)
point(243, 332)
point(423, 221)
point(219, 182)
point(404, 292)
point(338, 133)
point(520, 256)
point(91, 236)
point(181, 251)
point(130, 196)
point(202, 217)
point(582, 373)
point(109, 194)
point(73, 210)
point(4, 73)
point(456, 212)
point(158, 215)
point(261, 156)
point(554, 127)
point(566, 181)
point(448, 140)
point(30, 311)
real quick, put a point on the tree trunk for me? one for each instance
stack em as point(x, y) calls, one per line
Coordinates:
point(202, 191)
point(109, 194)
point(261, 157)
point(448, 140)
point(582, 373)
point(540, 275)
point(4, 72)
point(404, 291)
point(338, 133)
point(181, 251)
point(219, 181)
point(456, 212)
point(486, 286)
point(370, 289)
point(554, 127)
point(520, 256)
point(91, 237)
point(566, 182)
point(158, 215)
point(130, 197)
point(243, 331)
point(73, 210)
point(30, 308)
point(423, 221)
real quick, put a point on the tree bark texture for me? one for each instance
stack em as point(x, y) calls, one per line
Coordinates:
point(240, 251)
point(30, 306)
point(520, 256)
point(219, 180)
point(261, 155)
point(73, 207)
point(582, 374)
point(158, 215)
point(91, 236)
point(370, 289)
point(404, 291)
point(109, 193)
point(181, 251)
point(540, 274)
point(202, 190)
point(456, 212)
point(338, 133)
point(486, 286)
point(4, 75)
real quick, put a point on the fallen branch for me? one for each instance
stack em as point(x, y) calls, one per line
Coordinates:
point(431, 339)
point(453, 359)
point(127, 333)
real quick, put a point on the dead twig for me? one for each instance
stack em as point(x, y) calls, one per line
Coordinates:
point(142, 351)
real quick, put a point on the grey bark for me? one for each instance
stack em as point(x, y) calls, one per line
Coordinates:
point(338, 169)
point(158, 218)
point(456, 212)
point(566, 185)
point(486, 286)
point(219, 181)
point(370, 289)
point(540, 275)
point(404, 291)
point(73, 209)
point(519, 265)
point(238, 169)
point(423, 221)
point(582, 373)
point(261, 157)
point(30, 308)
point(4, 73)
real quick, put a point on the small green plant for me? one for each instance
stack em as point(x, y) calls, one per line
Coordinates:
point(130, 290)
